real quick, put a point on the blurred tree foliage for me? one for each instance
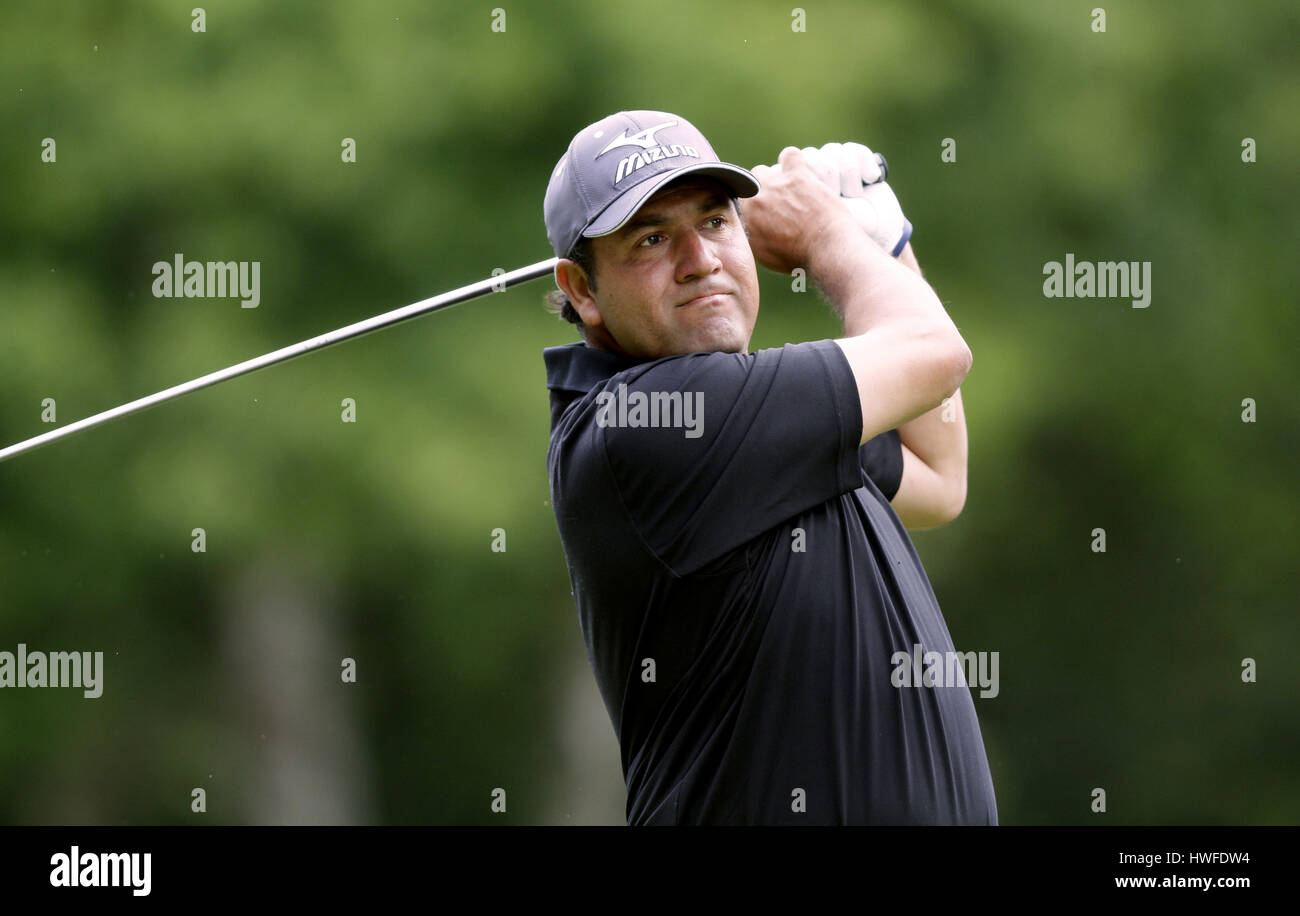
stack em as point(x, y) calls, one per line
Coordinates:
point(1119, 670)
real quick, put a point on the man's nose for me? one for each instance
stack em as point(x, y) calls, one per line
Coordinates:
point(697, 257)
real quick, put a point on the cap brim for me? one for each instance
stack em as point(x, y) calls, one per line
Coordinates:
point(613, 217)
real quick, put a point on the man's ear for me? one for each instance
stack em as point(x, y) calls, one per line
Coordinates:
point(570, 278)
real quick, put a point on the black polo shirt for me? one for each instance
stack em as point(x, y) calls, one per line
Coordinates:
point(742, 585)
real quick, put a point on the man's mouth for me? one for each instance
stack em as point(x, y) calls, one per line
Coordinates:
point(706, 299)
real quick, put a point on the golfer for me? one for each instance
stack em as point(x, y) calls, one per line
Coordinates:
point(734, 523)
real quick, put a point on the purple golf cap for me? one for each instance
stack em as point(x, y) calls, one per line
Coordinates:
point(614, 166)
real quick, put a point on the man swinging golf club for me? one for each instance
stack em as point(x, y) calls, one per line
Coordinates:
point(734, 522)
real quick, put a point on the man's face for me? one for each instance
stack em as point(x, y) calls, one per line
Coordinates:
point(685, 243)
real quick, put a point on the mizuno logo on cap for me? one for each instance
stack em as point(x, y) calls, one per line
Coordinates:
point(637, 161)
point(642, 138)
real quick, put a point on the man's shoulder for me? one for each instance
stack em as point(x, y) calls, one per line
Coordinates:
point(733, 375)
point(720, 365)
point(579, 367)
point(584, 382)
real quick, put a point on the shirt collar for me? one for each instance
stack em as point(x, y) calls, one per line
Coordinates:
point(580, 368)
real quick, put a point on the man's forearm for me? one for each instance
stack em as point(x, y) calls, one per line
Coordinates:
point(938, 436)
point(869, 289)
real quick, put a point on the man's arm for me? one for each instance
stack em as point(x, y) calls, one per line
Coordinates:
point(933, 488)
point(899, 340)
point(905, 353)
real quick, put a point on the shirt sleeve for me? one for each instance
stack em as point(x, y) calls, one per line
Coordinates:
point(758, 438)
point(882, 461)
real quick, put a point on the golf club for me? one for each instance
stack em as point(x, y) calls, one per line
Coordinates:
point(471, 291)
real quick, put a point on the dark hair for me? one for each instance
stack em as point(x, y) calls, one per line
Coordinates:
point(584, 255)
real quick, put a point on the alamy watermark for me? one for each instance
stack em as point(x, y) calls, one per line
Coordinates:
point(946, 669)
point(182, 279)
point(1100, 280)
point(55, 669)
point(103, 869)
point(641, 409)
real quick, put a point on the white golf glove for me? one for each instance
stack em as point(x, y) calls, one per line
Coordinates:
point(857, 175)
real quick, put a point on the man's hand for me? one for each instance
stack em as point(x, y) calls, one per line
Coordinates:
point(791, 214)
point(854, 173)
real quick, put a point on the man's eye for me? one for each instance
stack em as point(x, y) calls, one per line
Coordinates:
point(653, 235)
point(718, 219)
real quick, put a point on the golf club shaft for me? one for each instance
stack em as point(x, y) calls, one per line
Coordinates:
point(416, 309)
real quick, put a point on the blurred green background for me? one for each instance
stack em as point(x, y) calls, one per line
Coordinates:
point(372, 540)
